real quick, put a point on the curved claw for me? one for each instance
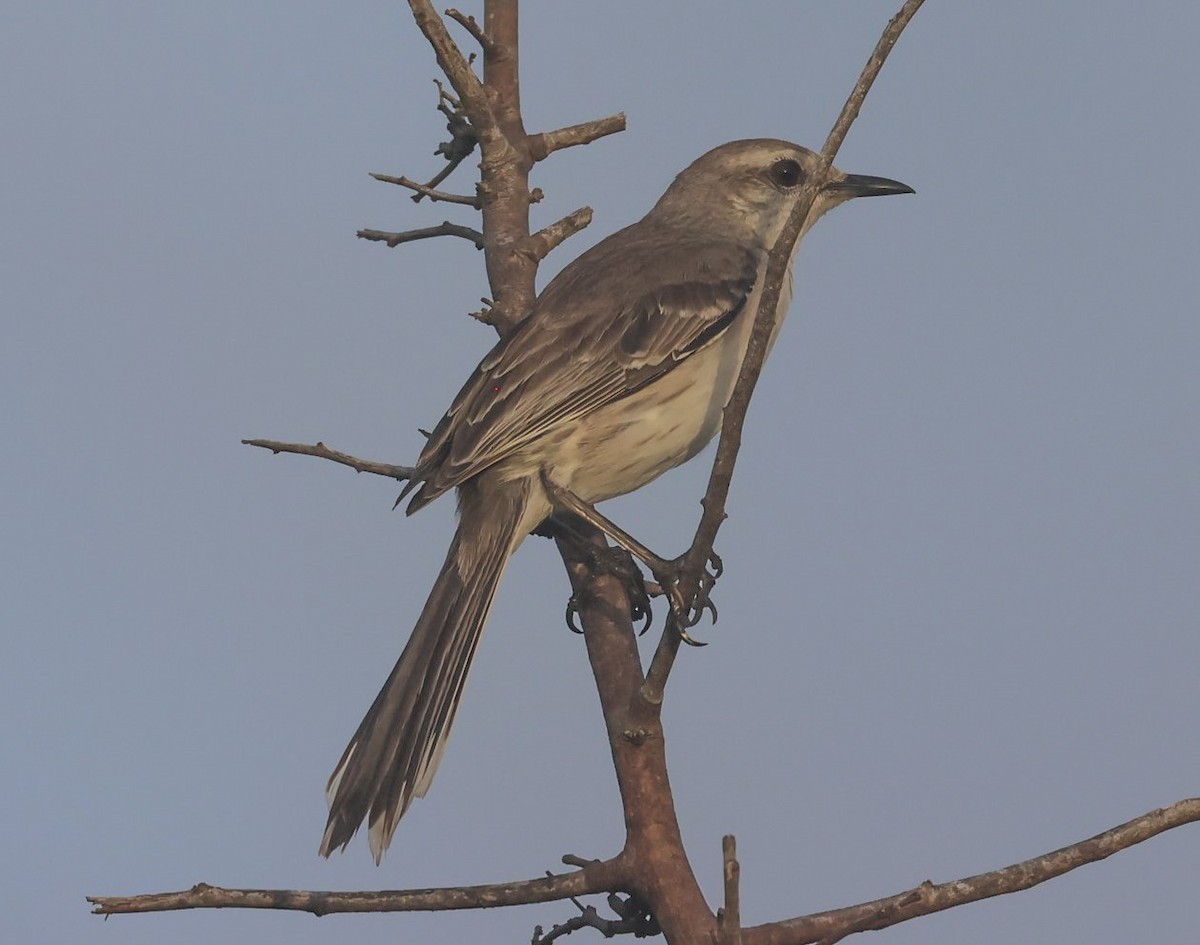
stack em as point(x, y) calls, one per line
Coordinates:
point(572, 612)
point(647, 613)
point(688, 638)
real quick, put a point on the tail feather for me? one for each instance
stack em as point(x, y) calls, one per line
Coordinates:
point(393, 756)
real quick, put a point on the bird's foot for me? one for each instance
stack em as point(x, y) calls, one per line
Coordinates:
point(669, 575)
point(618, 563)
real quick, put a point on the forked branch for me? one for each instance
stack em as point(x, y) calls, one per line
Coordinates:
point(602, 876)
point(424, 190)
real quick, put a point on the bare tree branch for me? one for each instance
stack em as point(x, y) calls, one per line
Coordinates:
point(729, 919)
point(463, 139)
point(493, 110)
point(632, 920)
point(599, 876)
point(424, 190)
point(401, 473)
point(454, 64)
point(929, 898)
point(446, 228)
point(654, 687)
point(468, 23)
point(766, 317)
point(662, 876)
point(504, 172)
point(546, 143)
point(451, 166)
point(543, 242)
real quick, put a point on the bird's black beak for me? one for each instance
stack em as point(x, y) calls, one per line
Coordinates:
point(861, 185)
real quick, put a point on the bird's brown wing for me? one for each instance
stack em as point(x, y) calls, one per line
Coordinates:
point(599, 332)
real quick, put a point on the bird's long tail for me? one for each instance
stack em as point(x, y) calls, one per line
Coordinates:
point(393, 756)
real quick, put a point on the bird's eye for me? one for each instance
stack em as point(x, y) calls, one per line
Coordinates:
point(786, 173)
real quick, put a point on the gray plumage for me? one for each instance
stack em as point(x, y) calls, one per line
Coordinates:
point(621, 372)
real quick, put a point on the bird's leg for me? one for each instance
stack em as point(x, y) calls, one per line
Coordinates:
point(667, 573)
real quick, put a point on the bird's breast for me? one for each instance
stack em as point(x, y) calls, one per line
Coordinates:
point(628, 443)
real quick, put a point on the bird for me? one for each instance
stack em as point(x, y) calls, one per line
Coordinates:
point(620, 372)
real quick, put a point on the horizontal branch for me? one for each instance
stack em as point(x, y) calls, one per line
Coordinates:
point(543, 145)
point(446, 228)
point(402, 473)
point(424, 190)
point(597, 877)
point(929, 897)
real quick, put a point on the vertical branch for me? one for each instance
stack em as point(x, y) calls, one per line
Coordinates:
point(501, 61)
point(766, 317)
point(654, 863)
point(729, 919)
point(493, 108)
point(659, 871)
point(504, 172)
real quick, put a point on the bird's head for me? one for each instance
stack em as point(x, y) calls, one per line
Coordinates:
point(748, 188)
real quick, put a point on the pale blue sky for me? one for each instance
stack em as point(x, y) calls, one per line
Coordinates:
point(959, 615)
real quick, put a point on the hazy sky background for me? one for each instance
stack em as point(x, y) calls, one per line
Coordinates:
point(958, 623)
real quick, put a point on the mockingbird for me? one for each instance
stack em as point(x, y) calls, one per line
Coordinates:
point(620, 372)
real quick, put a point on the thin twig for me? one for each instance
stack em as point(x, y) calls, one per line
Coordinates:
point(424, 190)
point(632, 920)
point(450, 168)
point(446, 228)
point(766, 317)
point(463, 138)
point(401, 473)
